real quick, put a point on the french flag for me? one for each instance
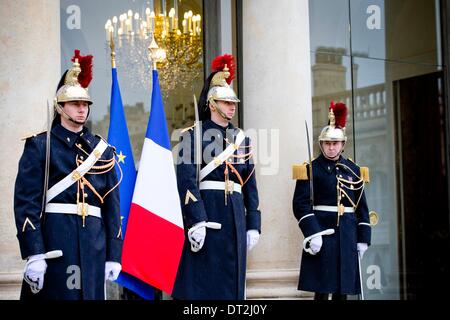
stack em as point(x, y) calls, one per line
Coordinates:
point(154, 239)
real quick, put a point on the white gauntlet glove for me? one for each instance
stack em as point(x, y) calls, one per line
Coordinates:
point(362, 247)
point(34, 272)
point(36, 267)
point(197, 235)
point(313, 243)
point(112, 270)
point(252, 238)
point(316, 244)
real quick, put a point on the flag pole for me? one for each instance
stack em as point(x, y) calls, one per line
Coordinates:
point(156, 54)
point(113, 51)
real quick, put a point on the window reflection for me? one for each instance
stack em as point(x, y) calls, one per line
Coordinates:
point(331, 82)
point(388, 41)
point(82, 27)
point(88, 35)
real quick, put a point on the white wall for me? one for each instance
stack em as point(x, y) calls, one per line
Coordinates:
point(29, 72)
point(277, 96)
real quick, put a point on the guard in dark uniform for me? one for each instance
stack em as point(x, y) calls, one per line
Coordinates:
point(69, 227)
point(218, 194)
point(334, 218)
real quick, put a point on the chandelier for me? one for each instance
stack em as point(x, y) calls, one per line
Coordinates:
point(180, 59)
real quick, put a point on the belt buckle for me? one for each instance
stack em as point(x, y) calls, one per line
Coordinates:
point(229, 186)
point(83, 209)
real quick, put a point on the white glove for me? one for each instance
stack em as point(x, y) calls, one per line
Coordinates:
point(315, 244)
point(362, 247)
point(252, 238)
point(197, 236)
point(112, 270)
point(34, 272)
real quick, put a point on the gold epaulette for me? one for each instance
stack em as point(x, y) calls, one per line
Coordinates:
point(32, 135)
point(364, 174)
point(300, 171)
point(188, 128)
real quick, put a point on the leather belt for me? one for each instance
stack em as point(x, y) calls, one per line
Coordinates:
point(333, 209)
point(68, 208)
point(218, 185)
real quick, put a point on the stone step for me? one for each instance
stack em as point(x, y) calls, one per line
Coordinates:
point(276, 284)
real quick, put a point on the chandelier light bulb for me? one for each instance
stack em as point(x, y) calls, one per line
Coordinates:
point(180, 52)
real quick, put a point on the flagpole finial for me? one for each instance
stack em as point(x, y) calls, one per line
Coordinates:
point(156, 53)
point(113, 51)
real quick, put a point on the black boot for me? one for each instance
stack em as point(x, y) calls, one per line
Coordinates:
point(320, 296)
point(338, 296)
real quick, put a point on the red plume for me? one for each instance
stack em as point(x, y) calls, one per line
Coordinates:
point(85, 76)
point(340, 113)
point(219, 63)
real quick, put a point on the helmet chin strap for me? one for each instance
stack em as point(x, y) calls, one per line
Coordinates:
point(67, 117)
point(216, 107)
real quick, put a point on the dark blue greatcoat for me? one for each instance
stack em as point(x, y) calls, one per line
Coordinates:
point(85, 249)
point(218, 270)
point(335, 268)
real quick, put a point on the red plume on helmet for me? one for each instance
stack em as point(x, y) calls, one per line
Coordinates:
point(219, 63)
point(340, 113)
point(85, 76)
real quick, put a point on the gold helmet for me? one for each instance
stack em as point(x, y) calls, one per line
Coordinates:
point(335, 130)
point(73, 85)
point(217, 86)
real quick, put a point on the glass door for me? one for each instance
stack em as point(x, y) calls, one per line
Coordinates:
point(393, 41)
point(375, 56)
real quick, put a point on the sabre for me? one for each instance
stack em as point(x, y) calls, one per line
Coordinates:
point(373, 218)
point(360, 276)
point(311, 186)
point(47, 160)
point(197, 141)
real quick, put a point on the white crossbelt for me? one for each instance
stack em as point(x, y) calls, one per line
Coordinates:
point(80, 171)
point(218, 185)
point(222, 156)
point(68, 208)
point(332, 209)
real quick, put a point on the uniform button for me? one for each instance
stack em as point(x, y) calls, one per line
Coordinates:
point(81, 157)
point(337, 168)
point(340, 176)
point(68, 139)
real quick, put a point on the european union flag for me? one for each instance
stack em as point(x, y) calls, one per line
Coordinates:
point(118, 137)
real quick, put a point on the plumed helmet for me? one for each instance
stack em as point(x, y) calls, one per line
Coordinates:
point(335, 130)
point(74, 83)
point(217, 85)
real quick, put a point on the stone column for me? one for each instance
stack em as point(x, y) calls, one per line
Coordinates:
point(29, 72)
point(277, 97)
